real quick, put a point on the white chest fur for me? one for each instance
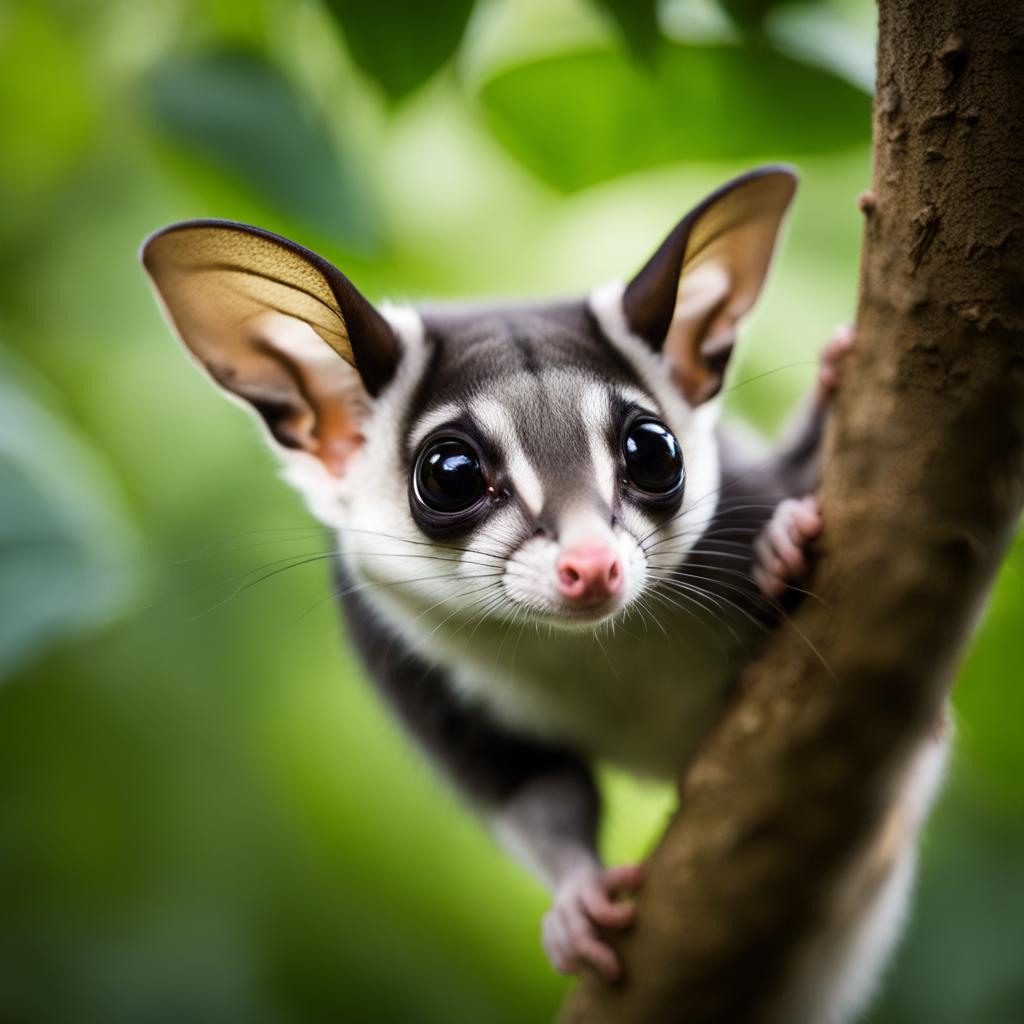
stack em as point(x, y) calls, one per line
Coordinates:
point(638, 697)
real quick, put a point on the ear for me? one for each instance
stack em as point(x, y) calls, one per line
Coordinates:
point(688, 299)
point(278, 326)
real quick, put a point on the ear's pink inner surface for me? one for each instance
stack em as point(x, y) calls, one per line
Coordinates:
point(588, 574)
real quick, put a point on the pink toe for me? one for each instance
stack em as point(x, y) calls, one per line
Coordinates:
point(626, 876)
point(786, 550)
point(606, 913)
point(601, 957)
point(844, 336)
point(807, 517)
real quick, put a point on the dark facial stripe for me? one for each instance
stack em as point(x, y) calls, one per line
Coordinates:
point(541, 367)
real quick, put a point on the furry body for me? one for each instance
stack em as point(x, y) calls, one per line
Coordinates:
point(549, 552)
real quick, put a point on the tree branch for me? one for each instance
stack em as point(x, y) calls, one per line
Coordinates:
point(922, 486)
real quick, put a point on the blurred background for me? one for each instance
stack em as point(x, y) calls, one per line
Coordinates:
point(204, 815)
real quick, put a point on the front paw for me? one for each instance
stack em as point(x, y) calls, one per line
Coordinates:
point(780, 549)
point(584, 902)
point(840, 345)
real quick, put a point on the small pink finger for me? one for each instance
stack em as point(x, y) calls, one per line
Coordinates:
point(626, 876)
point(803, 527)
point(785, 548)
point(606, 913)
point(564, 964)
point(775, 567)
point(555, 938)
point(809, 527)
point(844, 336)
point(601, 957)
point(807, 517)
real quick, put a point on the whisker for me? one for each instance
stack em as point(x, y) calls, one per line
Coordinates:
point(750, 577)
point(306, 558)
point(777, 607)
point(508, 628)
point(722, 531)
point(753, 593)
point(453, 612)
point(722, 602)
point(723, 489)
point(747, 549)
point(644, 603)
point(435, 558)
point(416, 647)
point(671, 602)
point(611, 664)
point(491, 605)
point(723, 514)
point(728, 521)
point(298, 533)
point(293, 563)
point(768, 373)
point(717, 493)
point(426, 543)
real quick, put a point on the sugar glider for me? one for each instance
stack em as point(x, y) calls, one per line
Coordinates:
point(549, 552)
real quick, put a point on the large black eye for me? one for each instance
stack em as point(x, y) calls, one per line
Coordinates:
point(653, 459)
point(447, 478)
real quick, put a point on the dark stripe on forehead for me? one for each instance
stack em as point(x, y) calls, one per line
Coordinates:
point(475, 348)
point(525, 345)
point(547, 388)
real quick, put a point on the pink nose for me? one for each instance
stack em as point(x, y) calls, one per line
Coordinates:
point(589, 573)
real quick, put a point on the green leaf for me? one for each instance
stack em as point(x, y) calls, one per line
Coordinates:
point(581, 118)
point(749, 14)
point(239, 112)
point(637, 20)
point(65, 544)
point(401, 43)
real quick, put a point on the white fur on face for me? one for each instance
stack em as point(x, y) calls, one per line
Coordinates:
point(430, 588)
point(694, 428)
point(595, 409)
point(500, 426)
point(532, 572)
point(421, 583)
point(427, 424)
point(425, 588)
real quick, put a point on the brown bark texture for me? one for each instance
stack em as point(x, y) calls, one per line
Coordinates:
point(922, 486)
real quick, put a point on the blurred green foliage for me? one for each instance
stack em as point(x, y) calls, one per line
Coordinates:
point(401, 43)
point(236, 109)
point(204, 815)
point(581, 118)
point(637, 20)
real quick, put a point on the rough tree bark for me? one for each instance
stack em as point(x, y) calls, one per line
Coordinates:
point(922, 486)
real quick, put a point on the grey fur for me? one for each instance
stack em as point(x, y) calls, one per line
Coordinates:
point(494, 762)
point(545, 394)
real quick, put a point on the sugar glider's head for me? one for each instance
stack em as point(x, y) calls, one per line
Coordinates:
point(539, 463)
